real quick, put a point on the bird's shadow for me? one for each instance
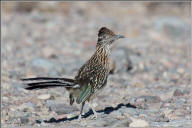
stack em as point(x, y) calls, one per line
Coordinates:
point(107, 110)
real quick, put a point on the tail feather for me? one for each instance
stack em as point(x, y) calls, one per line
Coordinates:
point(46, 78)
point(44, 86)
point(46, 82)
point(49, 82)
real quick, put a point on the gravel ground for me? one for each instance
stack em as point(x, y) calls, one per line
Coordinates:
point(152, 91)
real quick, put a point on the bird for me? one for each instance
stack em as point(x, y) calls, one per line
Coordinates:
point(91, 78)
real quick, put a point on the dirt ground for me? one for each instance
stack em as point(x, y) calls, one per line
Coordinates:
point(151, 84)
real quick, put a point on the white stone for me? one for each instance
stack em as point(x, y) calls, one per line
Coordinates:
point(44, 96)
point(138, 123)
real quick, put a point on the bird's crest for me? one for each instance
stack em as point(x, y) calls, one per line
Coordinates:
point(105, 31)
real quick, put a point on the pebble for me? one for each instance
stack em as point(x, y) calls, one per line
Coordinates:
point(24, 120)
point(48, 52)
point(180, 101)
point(149, 99)
point(104, 122)
point(161, 118)
point(44, 97)
point(131, 111)
point(122, 123)
point(26, 107)
point(138, 123)
point(167, 95)
point(117, 115)
point(178, 92)
point(167, 112)
point(5, 98)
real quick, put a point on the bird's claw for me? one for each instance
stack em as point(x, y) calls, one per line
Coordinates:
point(94, 117)
point(79, 118)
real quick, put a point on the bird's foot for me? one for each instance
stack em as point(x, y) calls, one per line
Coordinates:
point(81, 121)
point(79, 118)
point(94, 117)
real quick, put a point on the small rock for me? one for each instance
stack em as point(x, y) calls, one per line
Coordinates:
point(178, 92)
point(131, 111)
point(117, 115)
point(123, 123)
point(61, 108)
point(168, 112)
point(139, 85)
point(138, 123)
point(133, 100)
point(104, 122)
point(48, 52)
point(20, 117)
point(149, 99)
point(5, 98)
point(24, 120)
point(180, 101)
point(44, 97)
point(98, 123)
point(43, 124)
point(166, 95)
point(141, 66)
point(181, 70)
point(26, 107)
point(70, 115)
point(161, 118)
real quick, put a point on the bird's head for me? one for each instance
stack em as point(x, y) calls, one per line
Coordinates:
point(107, 36)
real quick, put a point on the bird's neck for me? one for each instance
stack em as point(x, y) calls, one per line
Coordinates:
point(102, 54)
point(103, 50)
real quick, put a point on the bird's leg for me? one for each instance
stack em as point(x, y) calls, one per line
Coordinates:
point(94, 112)
point(82, 105)
point(71, 99)
point(93, 109)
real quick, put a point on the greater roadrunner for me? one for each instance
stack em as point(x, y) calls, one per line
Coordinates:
point(91, 77)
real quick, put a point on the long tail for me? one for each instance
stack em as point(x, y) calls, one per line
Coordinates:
point(47, 82)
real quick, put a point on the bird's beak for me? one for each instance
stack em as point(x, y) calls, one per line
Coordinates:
point(119, 36)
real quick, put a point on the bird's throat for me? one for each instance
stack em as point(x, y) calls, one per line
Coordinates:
point(103, 53)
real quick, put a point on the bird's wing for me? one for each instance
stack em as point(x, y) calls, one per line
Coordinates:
point(84, 94)
point(88, 90)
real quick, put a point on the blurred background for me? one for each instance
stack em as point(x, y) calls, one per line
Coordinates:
point(56, 38)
